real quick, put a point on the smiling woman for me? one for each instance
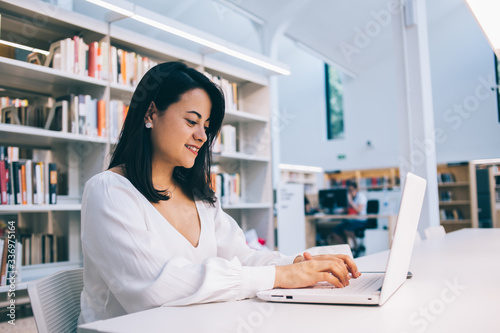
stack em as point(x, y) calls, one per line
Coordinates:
point(167, 95)
point(153, 233)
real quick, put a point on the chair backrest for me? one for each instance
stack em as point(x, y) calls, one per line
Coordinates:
point(372, 207)
point(436, 231)
point(55, 301)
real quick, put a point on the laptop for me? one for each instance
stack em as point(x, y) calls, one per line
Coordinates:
point(370, 288)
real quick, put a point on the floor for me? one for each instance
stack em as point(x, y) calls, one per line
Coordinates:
point(24, 323)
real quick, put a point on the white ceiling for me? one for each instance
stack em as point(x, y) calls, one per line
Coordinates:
point(323, 25)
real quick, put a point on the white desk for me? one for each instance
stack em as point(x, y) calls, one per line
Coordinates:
point(469, 258)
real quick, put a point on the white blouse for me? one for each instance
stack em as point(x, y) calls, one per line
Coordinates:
point(135, 260)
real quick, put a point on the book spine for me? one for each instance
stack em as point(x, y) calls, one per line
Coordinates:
point(16, 183)
point(52, 183)
point(101, 118)
point(29, 182)
point(24, 193)
point(3, 182)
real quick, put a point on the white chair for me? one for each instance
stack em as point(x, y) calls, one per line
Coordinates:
point(418, 239)
point(55, 301)
point(433, 232)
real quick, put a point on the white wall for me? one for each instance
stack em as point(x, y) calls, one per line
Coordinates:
point(369, 115)
point(459, 67)
point(457, 64)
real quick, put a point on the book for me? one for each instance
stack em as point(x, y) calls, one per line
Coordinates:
point(92, 62)
point(228, 139)
point(16, 184)
point(101, 118)
point(52, 180)
point(24, 194)
point(72, 101)
point(3, 267)
point(3, 182)
point(29, 182)
point(39, 188)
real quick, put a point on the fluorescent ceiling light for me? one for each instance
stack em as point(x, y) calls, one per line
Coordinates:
point(24, 47)
point(486, 13)
point(303, 168)
point(114, 8)
point(193, 38)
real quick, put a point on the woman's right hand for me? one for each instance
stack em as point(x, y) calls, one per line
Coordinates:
point(306, 273)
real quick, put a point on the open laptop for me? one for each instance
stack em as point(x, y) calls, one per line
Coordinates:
point(370, 288)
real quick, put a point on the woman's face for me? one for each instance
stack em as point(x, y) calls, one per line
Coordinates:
point(179, 132)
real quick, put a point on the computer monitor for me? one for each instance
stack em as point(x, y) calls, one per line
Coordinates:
point(333, 200)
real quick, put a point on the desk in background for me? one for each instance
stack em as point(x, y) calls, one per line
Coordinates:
point(312, 220)
point(454, 289)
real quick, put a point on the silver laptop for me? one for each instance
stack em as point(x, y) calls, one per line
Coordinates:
point(370, 288)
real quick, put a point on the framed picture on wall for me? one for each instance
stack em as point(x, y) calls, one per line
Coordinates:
point(334, 103)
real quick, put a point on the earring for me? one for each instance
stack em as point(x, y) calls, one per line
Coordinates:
point(149, 125)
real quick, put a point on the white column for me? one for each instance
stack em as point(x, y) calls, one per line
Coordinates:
point(416, 115)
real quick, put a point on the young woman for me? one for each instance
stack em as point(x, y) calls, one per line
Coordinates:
point(153, 232)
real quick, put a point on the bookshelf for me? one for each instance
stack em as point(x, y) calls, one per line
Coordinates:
point(82, 156)
point(367, 179)
point(488, 190)
point(457, 198)
point(309, 176)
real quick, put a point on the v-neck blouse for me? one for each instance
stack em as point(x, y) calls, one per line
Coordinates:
point(135, 260)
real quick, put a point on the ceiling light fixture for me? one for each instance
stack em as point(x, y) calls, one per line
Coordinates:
point(486, 14)
point(192, 37)
point(23, 47)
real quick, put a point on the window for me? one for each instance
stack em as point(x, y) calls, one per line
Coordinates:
point(334, 103)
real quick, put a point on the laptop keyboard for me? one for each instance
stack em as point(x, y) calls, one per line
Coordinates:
point(365, 283)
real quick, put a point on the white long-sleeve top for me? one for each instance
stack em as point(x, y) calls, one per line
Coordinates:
point(135, 260)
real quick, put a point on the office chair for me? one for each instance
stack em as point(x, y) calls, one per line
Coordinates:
point(372, 207)
point(55, 301)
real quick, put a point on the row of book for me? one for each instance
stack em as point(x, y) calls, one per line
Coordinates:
point(118, 112)
point(10, 261)
point(226, 142)
point(99, 60)
point(378, 181)
point(8, 101)
point(25, 250)
point(227, 187)
point(73, 113)
point(230, 91)
point(368, 182)
point(24, 181)
point(446, 177)
point(451, 214)
point(446, 196)
point(40, 248)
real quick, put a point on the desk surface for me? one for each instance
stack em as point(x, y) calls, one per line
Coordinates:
point(455, 288)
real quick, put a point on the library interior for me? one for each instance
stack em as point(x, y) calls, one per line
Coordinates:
point(328, 106)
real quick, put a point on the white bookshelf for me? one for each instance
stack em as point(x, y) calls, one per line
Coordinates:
point(84, 156)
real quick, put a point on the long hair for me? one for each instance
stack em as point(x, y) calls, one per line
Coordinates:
point(164, 85)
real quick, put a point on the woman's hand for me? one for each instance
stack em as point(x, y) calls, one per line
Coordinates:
point(308, 270)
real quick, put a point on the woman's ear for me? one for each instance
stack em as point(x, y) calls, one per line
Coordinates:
point(148, 117)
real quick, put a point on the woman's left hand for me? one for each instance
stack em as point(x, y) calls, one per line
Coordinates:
point(348, 261)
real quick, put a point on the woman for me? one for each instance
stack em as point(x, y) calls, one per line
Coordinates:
point(153, 232)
